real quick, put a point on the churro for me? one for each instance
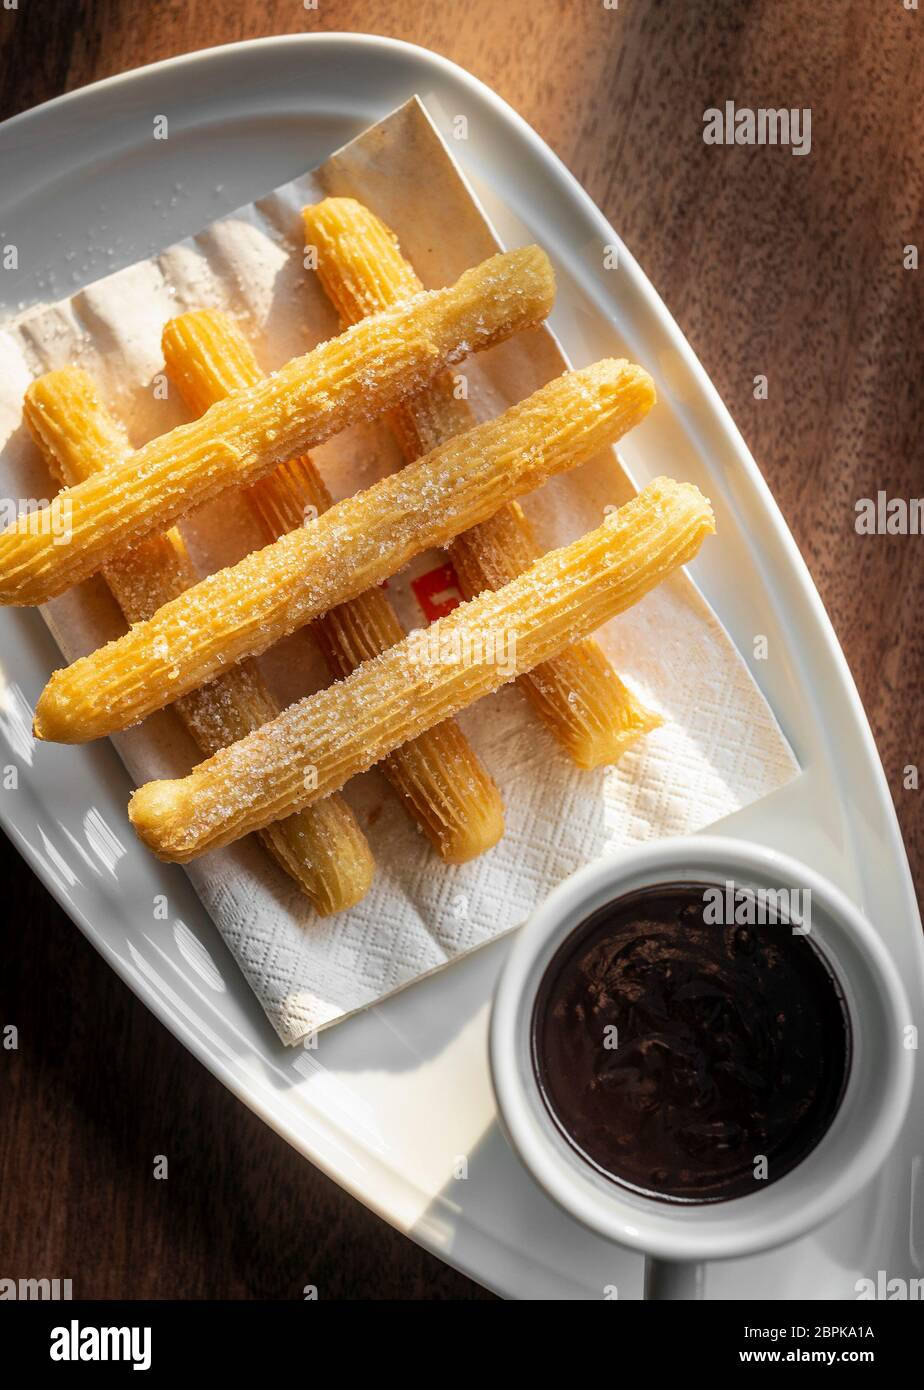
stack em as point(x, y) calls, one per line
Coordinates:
point(242, 610)
point(322, 847)
point(357, 375)
point(577, 694)
point(315, 746)
point(439, 780)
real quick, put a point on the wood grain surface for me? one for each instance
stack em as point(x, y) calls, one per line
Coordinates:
point(773, 265)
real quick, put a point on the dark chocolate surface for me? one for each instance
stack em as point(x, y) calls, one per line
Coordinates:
point(732, 1042)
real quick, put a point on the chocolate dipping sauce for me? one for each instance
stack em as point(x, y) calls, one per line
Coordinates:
point(731, 1042)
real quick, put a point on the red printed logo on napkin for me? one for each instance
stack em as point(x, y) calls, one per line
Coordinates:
point(437, 592)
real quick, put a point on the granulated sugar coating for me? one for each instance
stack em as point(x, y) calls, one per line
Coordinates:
point(348, 727)
point(577, 695)
point(242, 610)
point(321, 848)
point(353, 377)
point(440, 781)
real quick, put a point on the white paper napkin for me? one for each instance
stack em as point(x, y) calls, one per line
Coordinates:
point(720, 748)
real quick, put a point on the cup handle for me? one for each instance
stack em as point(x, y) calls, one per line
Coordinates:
point(673, 1280)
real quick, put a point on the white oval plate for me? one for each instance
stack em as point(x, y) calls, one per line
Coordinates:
point(396, 1103)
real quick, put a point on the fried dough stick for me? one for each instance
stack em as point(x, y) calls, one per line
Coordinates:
point(242, 610)
point(352, 377)
point(439, 779)
point(315, 746)
point(322, 848)
point(577, 694)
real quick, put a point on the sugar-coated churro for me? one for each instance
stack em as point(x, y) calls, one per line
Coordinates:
point(354, 376)
point(577, 693)
point(313, 747)
point(242, 610)
point(439, 779)
point(322, 847)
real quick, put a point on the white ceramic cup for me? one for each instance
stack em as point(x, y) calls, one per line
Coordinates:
point(678, 1238)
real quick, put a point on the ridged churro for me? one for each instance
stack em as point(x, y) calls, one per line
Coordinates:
point(439, 779)
point(352, 377)
point(322, 847)
point(577, 694)
point(242, 610)
point(318, 744)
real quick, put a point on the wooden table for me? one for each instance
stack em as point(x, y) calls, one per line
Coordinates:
point(774, 265)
